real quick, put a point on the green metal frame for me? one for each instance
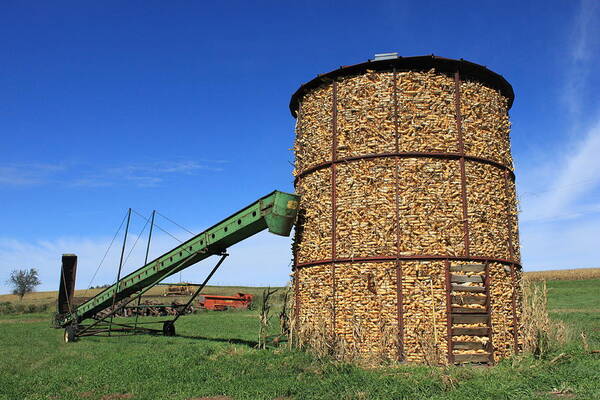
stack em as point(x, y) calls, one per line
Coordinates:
point(276, 212)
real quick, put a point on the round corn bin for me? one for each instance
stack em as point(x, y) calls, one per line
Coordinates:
point(407, 242)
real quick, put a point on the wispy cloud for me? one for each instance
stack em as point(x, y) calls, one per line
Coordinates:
point(164, 167)
point(574, 170)
point(92, 181)
point(563, 244)
point(28, 173)
point(144, 181)
point(153, 174)
point(578, 177)
point(585, 39)
point(560, 219)
point(140, 174)
point(582, 165)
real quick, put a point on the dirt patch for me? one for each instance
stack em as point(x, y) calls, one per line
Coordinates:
point(85, 395)
point(117, 396)
point(561, 395)
point(211, 398)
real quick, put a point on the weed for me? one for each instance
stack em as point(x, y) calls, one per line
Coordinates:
point(264, 317)
point(541, 334)
point(11, 308)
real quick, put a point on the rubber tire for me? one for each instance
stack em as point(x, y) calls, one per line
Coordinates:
point(168, 328)
point(70, 334)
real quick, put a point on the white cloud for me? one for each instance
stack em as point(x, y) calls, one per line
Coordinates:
point(572, 170)
point(26, 174)
point(582, 165)
point(144, 181)
point(164, 167)
point(584, 40)
point(578, 177)
point(568, 245)
point(92, 181)
point(560, 221)
point(149, 174)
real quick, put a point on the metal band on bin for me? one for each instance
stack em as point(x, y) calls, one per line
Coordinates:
point(406, 154)
point(418, 257)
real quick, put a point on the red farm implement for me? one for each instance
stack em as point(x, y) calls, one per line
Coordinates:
point(221, 303)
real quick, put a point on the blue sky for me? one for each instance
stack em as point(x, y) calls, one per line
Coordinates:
point(183, 106)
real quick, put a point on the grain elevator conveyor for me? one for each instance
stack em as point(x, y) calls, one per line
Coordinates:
point(275, 212)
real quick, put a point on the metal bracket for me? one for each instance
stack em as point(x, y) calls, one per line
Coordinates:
point(135, 327)
point(212, 272)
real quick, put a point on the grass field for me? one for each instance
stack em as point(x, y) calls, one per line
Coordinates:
point(214, 355)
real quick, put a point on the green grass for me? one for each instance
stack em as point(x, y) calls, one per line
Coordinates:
point(584, 295)
point(214, 354)
point(577, 303)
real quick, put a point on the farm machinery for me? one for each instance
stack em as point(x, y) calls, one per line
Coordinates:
point(180, 289)
point(275, 212)
point(222, 303)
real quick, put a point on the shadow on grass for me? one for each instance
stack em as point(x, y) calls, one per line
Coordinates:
point(249, 343)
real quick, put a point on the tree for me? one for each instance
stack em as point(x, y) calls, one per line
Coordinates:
point(23, 281)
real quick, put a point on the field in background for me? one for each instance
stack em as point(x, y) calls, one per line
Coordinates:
point(39, 298)
point(214, 354)
point(50, 296)
point(564, 274)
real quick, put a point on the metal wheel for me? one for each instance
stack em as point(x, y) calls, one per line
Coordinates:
point(168, 328)
point(70, 334)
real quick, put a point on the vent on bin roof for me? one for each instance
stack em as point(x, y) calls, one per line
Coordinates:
point(385, 56)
